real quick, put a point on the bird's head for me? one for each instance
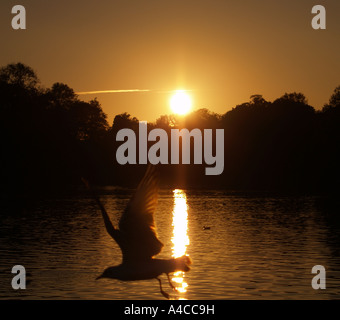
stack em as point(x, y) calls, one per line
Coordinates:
point(111, 272)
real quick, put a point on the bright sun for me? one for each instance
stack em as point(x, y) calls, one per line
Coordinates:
point(180, 102)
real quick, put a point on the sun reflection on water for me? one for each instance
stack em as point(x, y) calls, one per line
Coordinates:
point(180, 238)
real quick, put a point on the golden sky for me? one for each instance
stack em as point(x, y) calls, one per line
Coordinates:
point(223, 51)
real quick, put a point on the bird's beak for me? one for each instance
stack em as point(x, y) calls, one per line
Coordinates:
point(101, 276)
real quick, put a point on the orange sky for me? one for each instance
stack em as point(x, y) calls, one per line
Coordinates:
point(224, 51)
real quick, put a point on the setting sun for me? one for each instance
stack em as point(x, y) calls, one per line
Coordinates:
point(180, 102)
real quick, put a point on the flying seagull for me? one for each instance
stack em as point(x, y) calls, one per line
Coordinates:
point(137, 237)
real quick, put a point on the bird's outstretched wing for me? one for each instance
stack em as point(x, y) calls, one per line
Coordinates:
point(137, 225)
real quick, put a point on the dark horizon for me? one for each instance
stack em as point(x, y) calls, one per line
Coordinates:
point(54, 139)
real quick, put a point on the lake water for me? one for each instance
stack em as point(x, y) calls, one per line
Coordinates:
point(256, 248)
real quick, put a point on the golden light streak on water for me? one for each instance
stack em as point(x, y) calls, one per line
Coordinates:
point(180, 238)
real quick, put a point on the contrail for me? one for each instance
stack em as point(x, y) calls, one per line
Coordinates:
point(113, 91)
point(127, 90)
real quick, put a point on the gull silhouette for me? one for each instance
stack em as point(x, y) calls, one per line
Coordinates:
point(137, 237)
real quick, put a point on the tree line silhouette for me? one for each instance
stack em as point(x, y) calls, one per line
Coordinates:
point(50, 139)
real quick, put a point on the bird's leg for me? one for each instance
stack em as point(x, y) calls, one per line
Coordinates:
point(170, 283)
point(166, 295)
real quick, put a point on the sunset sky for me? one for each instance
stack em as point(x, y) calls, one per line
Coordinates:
point(222, 51)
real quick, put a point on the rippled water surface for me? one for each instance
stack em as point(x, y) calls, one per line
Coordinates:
point(252, 247)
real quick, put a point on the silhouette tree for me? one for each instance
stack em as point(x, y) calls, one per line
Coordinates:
point(293, 97)
point(202, 118)
point(257, 99)
point(124, 120)
point(167, 121)
point(328, 141)
point(50, 136)
point(19, 75)
point(334, 101)
point(61, 95)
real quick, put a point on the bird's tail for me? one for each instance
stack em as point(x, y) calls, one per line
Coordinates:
point(183, 263)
